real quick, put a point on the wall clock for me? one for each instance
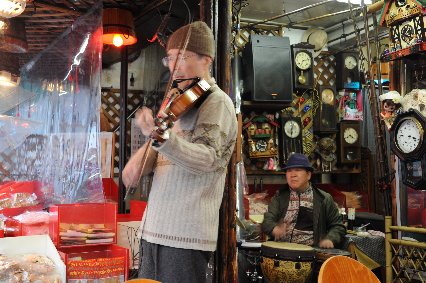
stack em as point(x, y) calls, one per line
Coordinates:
point(261, 136)
point(407, 33)
point(349, 142)
point(347, 73)
point(290, 137)
point(303, 66)
point(325, 119)
point(407, 135)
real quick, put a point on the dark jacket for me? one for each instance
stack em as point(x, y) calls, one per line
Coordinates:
point(327, 221)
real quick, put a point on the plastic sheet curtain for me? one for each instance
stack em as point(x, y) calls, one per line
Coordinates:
point(49, 124)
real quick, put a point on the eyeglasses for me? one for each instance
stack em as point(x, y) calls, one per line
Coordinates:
point(170, 59)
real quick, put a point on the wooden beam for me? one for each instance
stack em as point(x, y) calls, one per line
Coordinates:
point(39, 15)
point(57, 20)
point(57, 8)
point(42, 31)
point(135, 8)
point(69, 5)
point(152, 6)
point(47, 26)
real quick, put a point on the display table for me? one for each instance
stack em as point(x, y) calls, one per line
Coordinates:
point(369, 250)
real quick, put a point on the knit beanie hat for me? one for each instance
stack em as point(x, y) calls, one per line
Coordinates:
point(200, 41)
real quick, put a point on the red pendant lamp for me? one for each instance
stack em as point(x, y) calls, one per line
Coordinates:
point(118, 27)
point(13, 38)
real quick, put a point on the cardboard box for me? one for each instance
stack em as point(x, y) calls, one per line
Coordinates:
point(128, 237)
point(104, 263)
point(39, 244)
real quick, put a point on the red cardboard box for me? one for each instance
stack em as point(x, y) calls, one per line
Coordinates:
point(110, 262)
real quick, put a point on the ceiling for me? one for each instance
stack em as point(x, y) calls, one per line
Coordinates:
point(334, 16)
point(267, 9)
point(45, 20)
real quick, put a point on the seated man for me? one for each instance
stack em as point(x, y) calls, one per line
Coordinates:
point(302, 213)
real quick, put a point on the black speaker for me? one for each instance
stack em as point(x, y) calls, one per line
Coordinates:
point(267, 69)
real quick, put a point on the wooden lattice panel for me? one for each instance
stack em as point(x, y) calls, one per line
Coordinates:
point(325, 69)
point(408, 263)
point(111, 105)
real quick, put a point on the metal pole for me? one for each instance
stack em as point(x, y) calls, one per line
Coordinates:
point(381, 153)
point(327, 15)
point(388, 251)
point(289, 13)
point(123, 129)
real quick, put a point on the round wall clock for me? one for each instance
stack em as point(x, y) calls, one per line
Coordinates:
point(261, 145)
point(407, 33)
point(350, 135)
point(407, 135)
point(327, 96)
point(303, 60)
point(291, 129)
point(350, 62)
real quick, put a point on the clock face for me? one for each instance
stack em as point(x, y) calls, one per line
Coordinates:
point(409, 135)
point(400, 3)
point(291, 129)
point(350, 135)
point(407, 33)
point(261, 145)
point(350, 62)
point(302, 60)
point(327, 96)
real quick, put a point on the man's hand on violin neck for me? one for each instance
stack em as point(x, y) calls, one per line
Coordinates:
point(145, 120)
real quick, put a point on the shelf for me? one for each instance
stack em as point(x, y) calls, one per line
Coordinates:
point(265, 172)
point(264, 105)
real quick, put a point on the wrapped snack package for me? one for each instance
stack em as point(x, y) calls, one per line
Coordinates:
point(27, 268)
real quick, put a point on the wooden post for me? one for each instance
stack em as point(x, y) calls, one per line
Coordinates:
point(388, 250)
point(219, 19)
point(217, 14)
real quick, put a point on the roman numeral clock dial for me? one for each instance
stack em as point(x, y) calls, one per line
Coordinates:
point(408, 143)
point(407, 136)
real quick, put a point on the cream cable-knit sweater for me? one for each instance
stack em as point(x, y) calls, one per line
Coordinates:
point(189, 179)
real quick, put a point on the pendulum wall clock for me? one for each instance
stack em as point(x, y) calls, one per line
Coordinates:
point(347, 73)
point(325, 120)
point(408, 143)
point(303, 66)
point(349, 142)
point(290, 137)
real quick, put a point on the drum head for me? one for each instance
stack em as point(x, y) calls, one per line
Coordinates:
point(324, 254)
point(287, 251)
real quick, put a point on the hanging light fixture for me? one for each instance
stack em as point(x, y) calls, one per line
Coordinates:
point(3, 25)
point(118, 27)
point(13, 39)
point(9, 69)
point(12, 8)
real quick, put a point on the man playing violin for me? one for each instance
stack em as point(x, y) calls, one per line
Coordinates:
point(180, 224)
point(302, 213)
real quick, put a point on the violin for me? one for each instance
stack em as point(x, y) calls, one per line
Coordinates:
point(181, 101)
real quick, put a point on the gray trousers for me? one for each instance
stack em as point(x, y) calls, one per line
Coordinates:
point(172, 265)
